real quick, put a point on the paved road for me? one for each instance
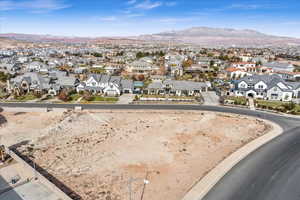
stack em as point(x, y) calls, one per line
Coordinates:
point(284, 122)
point(270, 173)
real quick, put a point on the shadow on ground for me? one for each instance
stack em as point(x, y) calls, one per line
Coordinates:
point(2, 118)
point(42, 171)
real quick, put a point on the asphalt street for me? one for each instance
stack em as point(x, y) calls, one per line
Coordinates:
point(272, 172)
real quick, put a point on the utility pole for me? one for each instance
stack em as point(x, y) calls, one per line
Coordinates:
point(132, 180)
point(146, 182)
point(130, 188)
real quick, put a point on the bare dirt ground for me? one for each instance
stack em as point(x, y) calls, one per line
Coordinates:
point(97, 153)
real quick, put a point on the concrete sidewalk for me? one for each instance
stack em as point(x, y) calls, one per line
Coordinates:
point(32, 190)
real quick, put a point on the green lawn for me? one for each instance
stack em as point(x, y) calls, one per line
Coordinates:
point(2, 94)
point(169, 97)
point(153, 96)
point(102, 99)
point(74, 97)
point(27, 97)
point(279, 106)
point(237, 100)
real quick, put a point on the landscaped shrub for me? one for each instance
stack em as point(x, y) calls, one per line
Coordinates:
point(87, 96)
point(64, 96)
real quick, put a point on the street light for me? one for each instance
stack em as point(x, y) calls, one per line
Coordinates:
point(132, 180)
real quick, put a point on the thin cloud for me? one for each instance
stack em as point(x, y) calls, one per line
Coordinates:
point(171, 3)
point(246, 6)
point(134, 15)
point(176, 20)
point(108, 19)
point(131, 2)
point(33, 5)
point(253, 6)
point(148, 5)
point(291, 23)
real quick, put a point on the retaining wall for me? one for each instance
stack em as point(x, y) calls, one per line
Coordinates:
point(39, 176)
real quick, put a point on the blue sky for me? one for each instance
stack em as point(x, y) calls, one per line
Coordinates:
point(135, 17)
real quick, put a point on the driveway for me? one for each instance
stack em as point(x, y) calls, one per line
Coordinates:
point(210, 98)
point(126, 99)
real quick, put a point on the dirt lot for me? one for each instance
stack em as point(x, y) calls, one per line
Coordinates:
point(97, 153)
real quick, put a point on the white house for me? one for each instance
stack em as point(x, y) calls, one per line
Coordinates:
point(269, 87)
point(106, 84)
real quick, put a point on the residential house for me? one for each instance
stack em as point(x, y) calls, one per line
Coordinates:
point(29, 82)
point(269, 87)
point(113, 68)
point(141, 67)
point(35, 82)
point(106, 84)
point(63, 80)
point(10, 68)
point(199, 68)
point(279, 66)
point(178, 88)
point(247, 66)
point(289, 76)
point(37, 67)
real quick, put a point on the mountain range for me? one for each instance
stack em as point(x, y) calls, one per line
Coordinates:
point(221, 37)
point(205, 36)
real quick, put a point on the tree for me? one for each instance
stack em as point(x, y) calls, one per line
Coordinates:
point(187, 63)
point(258, 63)
point(97, 54)
point(121, 53)
point(234, 76)
point(3, 77)
point(64, 96)
point(97, 70)
point(87, 96)
point(140, 77)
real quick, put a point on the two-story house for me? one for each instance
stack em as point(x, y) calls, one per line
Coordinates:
point(106, 84)
point(177, 88)
point(269, 87)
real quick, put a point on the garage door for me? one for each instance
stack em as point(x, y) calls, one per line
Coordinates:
point(126, 91)
point(111, 93)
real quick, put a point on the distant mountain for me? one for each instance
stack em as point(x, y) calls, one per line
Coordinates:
point(65, 39)
point(205, 36)
point(221, 37)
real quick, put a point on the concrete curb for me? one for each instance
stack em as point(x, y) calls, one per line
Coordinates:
point(200, 189)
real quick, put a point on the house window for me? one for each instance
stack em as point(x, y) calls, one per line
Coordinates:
point(260, 86)
point(274, 96)
point(250, 85)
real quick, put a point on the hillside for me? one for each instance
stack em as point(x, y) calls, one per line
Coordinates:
point(205, 36)
point(221, 37)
